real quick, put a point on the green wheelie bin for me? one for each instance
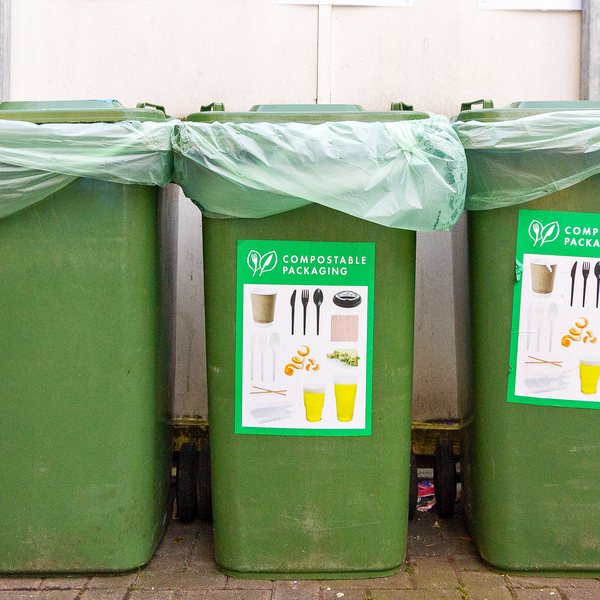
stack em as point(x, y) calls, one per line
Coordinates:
point(530, 457)
point(309, 227)
point(86, 322)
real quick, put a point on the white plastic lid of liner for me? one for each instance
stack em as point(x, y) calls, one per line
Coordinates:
point(408, 174)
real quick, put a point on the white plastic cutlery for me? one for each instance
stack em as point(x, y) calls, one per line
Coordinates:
point(262, 344)
point(274, 343)
point(539, 311)
point(552, 314)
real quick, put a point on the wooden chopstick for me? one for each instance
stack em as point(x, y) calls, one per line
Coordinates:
point(266, 391)
point(541, 361)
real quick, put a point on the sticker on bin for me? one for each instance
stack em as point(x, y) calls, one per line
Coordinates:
point(304, 338)
point(555, 347)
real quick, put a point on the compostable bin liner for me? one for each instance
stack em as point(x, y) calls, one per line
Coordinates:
point(38, 160)
point(514, 161)
point(406, 174)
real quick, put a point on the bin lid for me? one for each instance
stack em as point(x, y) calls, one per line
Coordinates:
point(518, 110)
point(79, 111)
point(305, 113)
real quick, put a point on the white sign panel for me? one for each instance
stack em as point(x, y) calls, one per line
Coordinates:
point(530, 4)
point(404, 3)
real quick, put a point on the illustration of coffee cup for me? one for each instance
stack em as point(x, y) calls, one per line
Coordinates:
point(263, 306)
point(543, 273)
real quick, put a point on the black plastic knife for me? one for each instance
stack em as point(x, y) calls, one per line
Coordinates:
point(573, 273)
point(597, 274)
point(293, 304)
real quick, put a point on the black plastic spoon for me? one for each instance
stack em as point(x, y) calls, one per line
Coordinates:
point(318, 299)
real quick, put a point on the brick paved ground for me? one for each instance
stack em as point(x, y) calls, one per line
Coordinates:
point(442, 563)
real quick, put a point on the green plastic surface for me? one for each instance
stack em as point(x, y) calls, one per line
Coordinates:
point(305, 113)
point(529, 473)
point(306, 108)
point(312, 507)
point(84, 409)
point(518, 110)
point(77, 111)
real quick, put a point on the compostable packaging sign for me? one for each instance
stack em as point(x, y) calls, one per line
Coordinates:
point(555, 346)
point(304, 336)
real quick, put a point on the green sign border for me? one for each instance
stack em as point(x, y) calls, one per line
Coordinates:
point(363, 275)
point(557, 247)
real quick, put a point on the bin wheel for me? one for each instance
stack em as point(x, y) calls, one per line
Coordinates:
point(187, 466)
point(413, 494)
point(204, 495)
point(444, 478)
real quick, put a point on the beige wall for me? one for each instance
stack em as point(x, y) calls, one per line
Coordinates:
point(185, 53)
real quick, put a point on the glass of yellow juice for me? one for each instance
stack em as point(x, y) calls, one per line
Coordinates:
point(589, 371)
point(314, 400)
point(345, 396)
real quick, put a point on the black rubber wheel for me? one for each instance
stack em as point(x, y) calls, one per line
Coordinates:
point(444, 478)
point(187, 467)
point(203, 484)
point(413, 494)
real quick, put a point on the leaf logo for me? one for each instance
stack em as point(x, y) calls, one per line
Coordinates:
point(541, 234)
point(261, 264)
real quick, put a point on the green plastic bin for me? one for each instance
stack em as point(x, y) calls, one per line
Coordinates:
point(530, 456)
point(85, 338)
point(305, 498)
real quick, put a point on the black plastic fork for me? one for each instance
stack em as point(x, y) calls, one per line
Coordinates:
point(304, 299)
point(585, 271)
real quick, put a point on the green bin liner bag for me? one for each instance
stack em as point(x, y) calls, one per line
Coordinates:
point(405, 174)
point(38, 160)
point(514, 161)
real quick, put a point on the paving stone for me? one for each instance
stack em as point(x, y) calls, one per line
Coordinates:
point(111, 582)
point(401, 580)
point(580, 594)
point(236, 583)
point(296, 590)
point(469, 562)
point(64, 583)
point(539, 594)
point(337, 594)
point(225, 595)
point(416, 595)
point(484, 586)
point(96, 594)
point(180, 581)
point(434, 574)
point(19, 583)
point(166, 563)
point(39, 595)
point(582, 582)
point(533, 581)
point(425, 536)
point(153, 595)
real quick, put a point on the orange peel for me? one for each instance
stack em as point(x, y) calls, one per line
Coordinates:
point(289, 369)
point(304, 353)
